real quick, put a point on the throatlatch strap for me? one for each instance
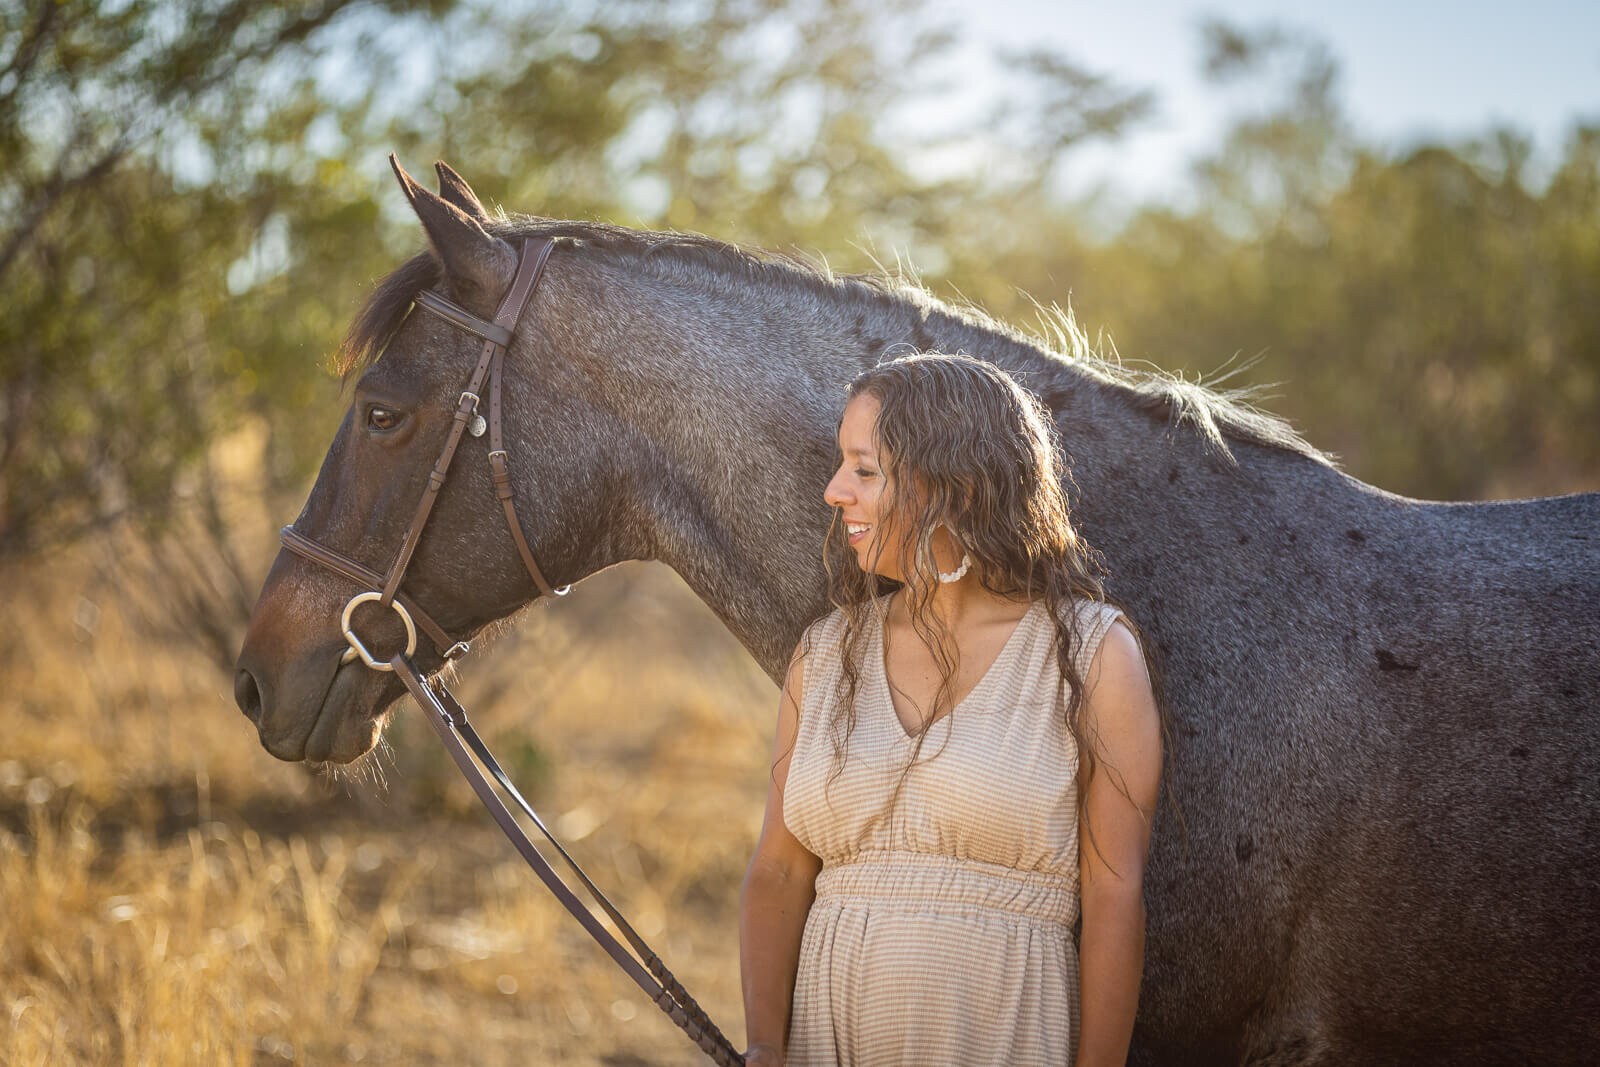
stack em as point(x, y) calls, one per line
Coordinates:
point(496, 337)
point(499, 459)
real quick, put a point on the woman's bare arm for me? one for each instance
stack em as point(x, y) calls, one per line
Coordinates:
point(778, 889)
point(1113, 842)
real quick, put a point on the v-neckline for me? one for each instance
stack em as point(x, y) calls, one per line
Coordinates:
point(882, 658)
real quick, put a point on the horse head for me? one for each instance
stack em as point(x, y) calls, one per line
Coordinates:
point(297, 679)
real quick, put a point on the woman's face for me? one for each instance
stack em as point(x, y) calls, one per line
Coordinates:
point(857, 490)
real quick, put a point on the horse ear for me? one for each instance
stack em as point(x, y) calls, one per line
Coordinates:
point(454, 188)
point(477, 265)
point(407, 186)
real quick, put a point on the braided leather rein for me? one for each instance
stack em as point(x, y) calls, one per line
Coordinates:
point(447, 717)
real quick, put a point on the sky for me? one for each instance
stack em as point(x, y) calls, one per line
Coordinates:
point(1411, 69)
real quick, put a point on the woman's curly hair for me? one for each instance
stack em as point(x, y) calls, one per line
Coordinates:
point(962, 445)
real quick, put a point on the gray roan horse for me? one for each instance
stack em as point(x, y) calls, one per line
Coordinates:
point(1386, 712)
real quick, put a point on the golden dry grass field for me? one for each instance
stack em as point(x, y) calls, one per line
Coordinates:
point(173, 895)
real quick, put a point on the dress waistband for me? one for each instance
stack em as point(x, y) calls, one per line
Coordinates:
point(915, 881)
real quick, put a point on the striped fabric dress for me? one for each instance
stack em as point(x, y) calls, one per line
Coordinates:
point(942, 934)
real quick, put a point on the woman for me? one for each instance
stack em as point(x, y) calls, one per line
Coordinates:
point(946, 738)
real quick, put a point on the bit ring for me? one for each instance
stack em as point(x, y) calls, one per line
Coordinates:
point(357, 648)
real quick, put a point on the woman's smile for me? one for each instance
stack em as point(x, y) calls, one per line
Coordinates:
point(857, 489)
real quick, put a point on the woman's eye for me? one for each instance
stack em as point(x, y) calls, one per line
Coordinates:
point(862, 472)
point(382, 419)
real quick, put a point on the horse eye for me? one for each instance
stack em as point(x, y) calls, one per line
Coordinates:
point(382, 419)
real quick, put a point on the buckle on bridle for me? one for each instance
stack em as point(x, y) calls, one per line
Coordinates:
point(358, 649)
point(477, 426)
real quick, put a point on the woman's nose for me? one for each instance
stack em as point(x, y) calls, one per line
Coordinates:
point(834, 495)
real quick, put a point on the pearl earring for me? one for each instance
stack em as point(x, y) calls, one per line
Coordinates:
point(956, 575)
point(946, 577)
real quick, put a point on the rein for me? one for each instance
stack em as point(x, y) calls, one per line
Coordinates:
point(445, 714)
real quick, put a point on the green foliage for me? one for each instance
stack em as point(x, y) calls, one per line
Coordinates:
point(1428, 316)
point(196, 191)
point(151, 154)
point(193, 198)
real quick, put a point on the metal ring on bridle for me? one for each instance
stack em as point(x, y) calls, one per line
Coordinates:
point(357, 648)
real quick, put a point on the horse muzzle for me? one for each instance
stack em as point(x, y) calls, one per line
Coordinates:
point(307, 696)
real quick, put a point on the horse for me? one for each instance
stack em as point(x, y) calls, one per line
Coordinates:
point(1381, 842)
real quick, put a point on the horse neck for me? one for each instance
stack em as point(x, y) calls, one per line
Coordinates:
point(723, 414)
point(730, 396)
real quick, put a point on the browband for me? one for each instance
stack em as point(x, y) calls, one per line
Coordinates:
point(460, 317)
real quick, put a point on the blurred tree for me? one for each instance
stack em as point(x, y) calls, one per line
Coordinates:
point(192, 195)
point(1430, 314)
point(146, 149)
point(186, 184)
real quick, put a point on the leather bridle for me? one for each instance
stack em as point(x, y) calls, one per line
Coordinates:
point(385, 589)
point(445, 714)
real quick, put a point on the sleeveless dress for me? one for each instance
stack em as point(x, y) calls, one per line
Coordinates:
point(941, 932)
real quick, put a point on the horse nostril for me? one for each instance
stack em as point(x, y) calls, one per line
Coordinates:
point(247, 695)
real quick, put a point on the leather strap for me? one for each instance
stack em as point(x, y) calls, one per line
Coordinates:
point(499, 461)
point(447, 717)
point(530, 267)
point(652, 962)
point(306, 548)
point(463, 319)
point(466, 408)
point(449, 720)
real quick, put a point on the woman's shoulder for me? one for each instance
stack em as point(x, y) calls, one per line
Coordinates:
point(1092, 616)
point(823, 630)
point(1090, 620)
point(832, 625)
point(819, 657)
point(825, 635)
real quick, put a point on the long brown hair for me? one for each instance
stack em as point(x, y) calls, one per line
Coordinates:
point(961, 444)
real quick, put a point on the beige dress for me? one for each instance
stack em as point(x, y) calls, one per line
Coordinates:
point(941, 935)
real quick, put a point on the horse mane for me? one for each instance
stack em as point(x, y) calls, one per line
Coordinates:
point(1050, 355)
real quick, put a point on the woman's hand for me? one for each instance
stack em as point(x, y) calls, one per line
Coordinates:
point(764, 1055)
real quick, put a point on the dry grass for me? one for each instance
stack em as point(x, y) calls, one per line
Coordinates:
point(174, 895)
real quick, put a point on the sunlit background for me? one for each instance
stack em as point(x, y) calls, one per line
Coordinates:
point(1386, 214)
point(1408, 74)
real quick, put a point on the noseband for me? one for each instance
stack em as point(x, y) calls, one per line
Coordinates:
point(445, 714)
point(385, 589)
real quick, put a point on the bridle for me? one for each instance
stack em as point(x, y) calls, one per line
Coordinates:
point(385, 589)
point(445, 713)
